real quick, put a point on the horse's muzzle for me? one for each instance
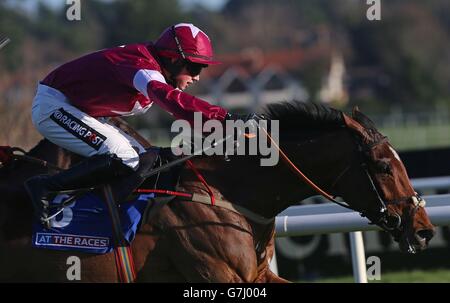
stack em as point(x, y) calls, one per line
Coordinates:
point(416, 242)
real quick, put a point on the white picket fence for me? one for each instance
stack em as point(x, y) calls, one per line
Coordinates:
point(331, 218)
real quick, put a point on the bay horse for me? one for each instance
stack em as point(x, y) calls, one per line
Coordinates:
point(193, 242)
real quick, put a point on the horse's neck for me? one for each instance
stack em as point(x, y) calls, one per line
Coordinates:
point(269, 190)
point(322, 160)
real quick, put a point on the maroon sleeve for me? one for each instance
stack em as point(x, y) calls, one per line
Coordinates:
point(183, 105)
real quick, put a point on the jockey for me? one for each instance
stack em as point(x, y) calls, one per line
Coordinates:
point(72, 103)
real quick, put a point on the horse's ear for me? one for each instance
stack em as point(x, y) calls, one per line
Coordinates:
point(356, 127)
point(362, 119)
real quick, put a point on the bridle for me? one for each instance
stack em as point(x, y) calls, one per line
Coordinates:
point(381, 217)
point(388, 222)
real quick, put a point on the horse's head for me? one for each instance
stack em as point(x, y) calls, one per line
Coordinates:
point(349, 158)
point(380, 188)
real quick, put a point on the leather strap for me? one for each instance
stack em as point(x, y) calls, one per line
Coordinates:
point(199, 198)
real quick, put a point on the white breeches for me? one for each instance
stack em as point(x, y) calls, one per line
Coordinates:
point(66, 126)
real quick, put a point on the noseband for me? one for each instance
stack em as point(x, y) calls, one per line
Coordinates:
point(389, 221)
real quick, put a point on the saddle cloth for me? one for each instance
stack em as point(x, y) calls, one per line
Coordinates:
point(86, 226)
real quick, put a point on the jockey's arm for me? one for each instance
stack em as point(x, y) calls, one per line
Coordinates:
point(176, 102)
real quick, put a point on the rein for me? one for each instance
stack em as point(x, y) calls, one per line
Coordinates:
point(383, 219)
point(212, 200)
point(9, 154)
point(302, 176)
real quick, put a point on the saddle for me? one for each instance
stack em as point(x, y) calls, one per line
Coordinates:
point(124, 189)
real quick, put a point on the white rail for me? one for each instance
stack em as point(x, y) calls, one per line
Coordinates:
point(330, 218)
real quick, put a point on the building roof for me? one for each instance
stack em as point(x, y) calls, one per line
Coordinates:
point(252, 61)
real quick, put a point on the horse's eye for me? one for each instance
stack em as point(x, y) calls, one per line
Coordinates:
point(383, 167)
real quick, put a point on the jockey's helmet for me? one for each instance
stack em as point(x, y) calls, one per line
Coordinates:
point(185, 41)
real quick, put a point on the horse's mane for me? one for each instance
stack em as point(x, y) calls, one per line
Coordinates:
point(313, 119)
point(296, 114)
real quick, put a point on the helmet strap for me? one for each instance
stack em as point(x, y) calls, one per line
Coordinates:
point(177, 41)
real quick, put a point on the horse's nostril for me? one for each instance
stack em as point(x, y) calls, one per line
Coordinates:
point(426, 234)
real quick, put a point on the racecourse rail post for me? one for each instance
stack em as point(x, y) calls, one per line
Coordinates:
point(358, 257)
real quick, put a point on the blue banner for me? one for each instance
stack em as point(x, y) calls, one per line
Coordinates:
point(85, 225)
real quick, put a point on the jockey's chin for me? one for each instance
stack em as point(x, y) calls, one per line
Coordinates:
point(182, 87)
point(184, 80)
point(183, 84)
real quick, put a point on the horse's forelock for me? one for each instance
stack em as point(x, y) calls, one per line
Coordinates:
point(363, 127)
point(368, 124)
point(362, 119)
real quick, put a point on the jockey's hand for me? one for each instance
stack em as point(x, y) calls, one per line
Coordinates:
point(251, 121)
point(252, 118)
point(245, 117)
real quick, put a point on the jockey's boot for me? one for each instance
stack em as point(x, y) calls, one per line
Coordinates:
point(124, 187)
point(90, 172)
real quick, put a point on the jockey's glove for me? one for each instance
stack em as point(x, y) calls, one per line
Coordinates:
point(251, 121)
point(253, 117)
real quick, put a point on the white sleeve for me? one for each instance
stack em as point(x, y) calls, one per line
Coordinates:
point(144, 76)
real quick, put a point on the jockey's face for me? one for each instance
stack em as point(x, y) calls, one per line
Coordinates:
point(185, 78)
point(189, 74)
